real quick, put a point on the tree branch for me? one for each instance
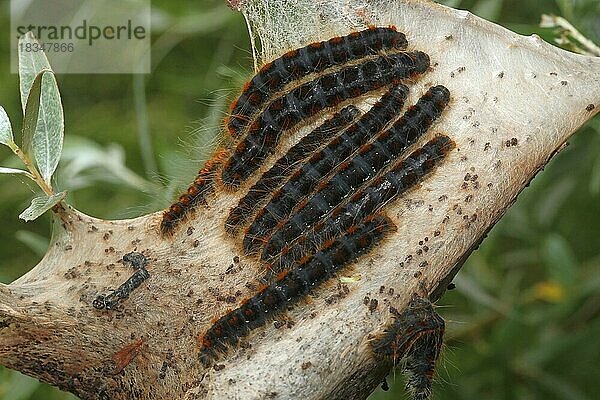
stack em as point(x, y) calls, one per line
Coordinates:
point(515, 101)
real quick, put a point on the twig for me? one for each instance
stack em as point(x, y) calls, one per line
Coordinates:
point(569, 35)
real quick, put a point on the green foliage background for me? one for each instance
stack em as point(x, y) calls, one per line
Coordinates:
point(524, 320)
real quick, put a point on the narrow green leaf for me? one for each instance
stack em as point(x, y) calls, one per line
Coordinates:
point(562, 265)
point(31, 114)
point(38, 244)
point(40, 205)
point(6, 134)
point(488, 9)
point(49, 135)
point(31, 63)
point(43, 129)
point(15, 172)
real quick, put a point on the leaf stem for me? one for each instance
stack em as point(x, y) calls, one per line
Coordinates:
point(37, 178)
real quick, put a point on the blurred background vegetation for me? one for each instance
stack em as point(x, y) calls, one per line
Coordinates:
point(524, 319)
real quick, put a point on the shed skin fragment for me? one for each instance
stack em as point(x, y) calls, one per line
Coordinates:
point(413, 340)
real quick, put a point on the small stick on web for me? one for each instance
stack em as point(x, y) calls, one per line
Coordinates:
point(110, 301)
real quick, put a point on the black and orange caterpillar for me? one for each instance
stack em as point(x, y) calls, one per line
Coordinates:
point(321, 205)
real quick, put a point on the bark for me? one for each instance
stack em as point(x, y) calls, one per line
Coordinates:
point(515, 102)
